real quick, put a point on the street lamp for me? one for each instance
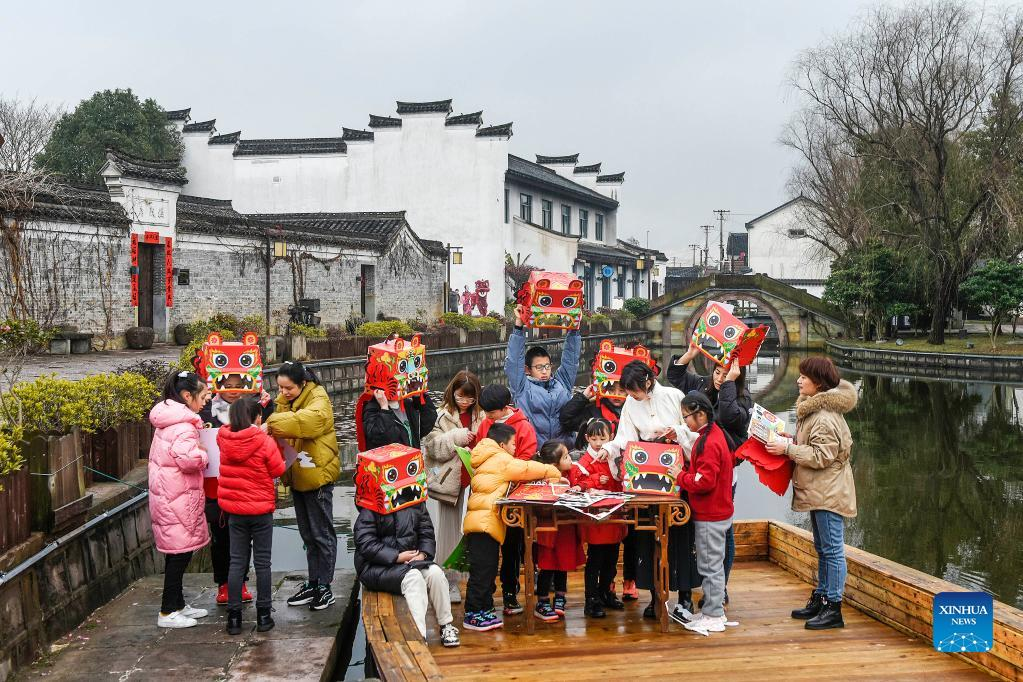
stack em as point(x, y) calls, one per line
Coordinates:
point(276, 247)
point(454, 256)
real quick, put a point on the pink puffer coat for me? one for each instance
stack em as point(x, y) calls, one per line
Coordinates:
point(176, 464)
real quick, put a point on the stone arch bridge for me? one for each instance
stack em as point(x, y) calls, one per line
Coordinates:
point(801, 320)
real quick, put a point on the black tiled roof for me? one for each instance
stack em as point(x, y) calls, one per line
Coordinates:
point(465, 119)
point(68, 203)
point(169, 172)
point(535, 175)
point(282, 147)
point(636, 248)
point(351, 134)
point(200, 127)
point(435, 247)
point(226, 138)
point(571, 158)
point(738, 243)
point(178, 114)
point(602, 253)
point(384, 121)
point(364, 224)
point(611, 177)
point(442, 106)
point(592, 168)
point(500, 130)
point(686, 272)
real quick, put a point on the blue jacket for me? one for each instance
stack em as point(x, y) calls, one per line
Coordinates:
point(541, 401)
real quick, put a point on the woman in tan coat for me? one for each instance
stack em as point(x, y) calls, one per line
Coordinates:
point(457, 422)
point(822, 481)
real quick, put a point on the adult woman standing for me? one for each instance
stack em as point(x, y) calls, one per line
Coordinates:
point(822, 482)
point(305, 417)
point(458, 420)
point(653, 412)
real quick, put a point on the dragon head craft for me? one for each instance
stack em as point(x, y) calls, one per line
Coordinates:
point(217, 360)
point(646, 468)
point(398, 368)
point(552, 300)
point(723, 337)
point(390, 478)
point(608, 365)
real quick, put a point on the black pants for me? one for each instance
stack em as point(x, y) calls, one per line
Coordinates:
point(255, 533)
point(173, 573)
point(220, 541)
point(601, 569)
point(314, 513)
point(629, 557)
point(484, 552)
point(545, 579)
point(511, 560)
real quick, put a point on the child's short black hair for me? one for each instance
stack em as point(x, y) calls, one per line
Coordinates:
point(243, 413)
point(501, 433)
point(495, 397)
point(550, 453)
point(598, 427)
point(535, 352)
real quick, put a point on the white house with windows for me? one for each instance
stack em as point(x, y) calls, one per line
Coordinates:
point(454, 178)
point(779, 247)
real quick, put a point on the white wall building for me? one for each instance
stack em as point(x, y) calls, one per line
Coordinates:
point(452, 176)
point(779, 247)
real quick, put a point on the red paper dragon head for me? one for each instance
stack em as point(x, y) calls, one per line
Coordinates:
point(217, 360)
point(398, 368)
point(552, 300)
point(722, 336)
point(645, 468)
point(608, 365)
point(390, 478)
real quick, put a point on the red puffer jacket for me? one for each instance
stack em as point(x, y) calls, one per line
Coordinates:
point(586, 474)
point(249, 462)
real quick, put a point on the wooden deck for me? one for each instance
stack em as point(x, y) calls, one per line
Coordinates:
point(887, 635)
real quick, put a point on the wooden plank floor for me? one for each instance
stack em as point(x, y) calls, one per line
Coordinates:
point(767, 645)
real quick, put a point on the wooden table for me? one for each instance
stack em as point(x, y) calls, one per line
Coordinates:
point(657, 513)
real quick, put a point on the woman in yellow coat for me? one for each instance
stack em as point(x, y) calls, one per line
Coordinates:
point(494, 467)
point(304, 416)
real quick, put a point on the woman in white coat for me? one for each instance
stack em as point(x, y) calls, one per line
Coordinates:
point(458, 420)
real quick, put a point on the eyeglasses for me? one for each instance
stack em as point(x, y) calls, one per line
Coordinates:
point(464, 399)
point(541, 368)
point(687, 415)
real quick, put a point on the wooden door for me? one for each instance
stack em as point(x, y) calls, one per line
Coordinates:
point(146, 252)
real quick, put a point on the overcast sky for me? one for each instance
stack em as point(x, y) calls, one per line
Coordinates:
point(688, 98)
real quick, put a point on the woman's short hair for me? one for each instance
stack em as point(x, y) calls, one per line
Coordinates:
point(637, 375)
point(821, 371)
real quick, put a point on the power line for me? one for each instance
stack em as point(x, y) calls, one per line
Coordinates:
point(721, 235)
point(706, 242)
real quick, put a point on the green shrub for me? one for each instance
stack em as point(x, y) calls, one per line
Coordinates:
point(23, 336)
point(458, 320)
point(117, 398)
point(252, 323)
point(385, 328)
point(637, 306)
point(49, 405)
point(11, 459)
point(597, 317)
point(487, 324)
point(154, 370)
point(307, 331)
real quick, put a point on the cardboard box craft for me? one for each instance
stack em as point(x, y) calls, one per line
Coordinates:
point(608, 365)
point(398, 368)
point(645, 468)
point(552, 300)
point(217, 361)
point(722, 337)
point(390, 478)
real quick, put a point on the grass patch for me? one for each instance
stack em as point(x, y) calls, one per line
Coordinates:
point(953, 344)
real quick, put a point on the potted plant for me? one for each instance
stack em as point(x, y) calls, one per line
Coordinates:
point(140, 338)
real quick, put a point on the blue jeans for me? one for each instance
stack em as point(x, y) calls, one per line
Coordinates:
point(829, 541)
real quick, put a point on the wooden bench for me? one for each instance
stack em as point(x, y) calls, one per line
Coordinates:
point(65, 343)
point(394, 643)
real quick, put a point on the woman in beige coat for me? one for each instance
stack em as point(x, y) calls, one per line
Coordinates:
point(822, 481)
point(458, 420)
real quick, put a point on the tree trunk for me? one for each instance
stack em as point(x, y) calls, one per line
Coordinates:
point(939, 310)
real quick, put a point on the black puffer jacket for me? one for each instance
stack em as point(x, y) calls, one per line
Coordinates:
point(382, 427)
point(731, 411)
point(578, 411)
point(380, 538)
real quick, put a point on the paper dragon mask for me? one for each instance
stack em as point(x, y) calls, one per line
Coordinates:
point(723, 337)
point(390, 478)
point(398, 368)
point(217, 360)
point(646, 468)
point(608, 365)
point(552, 300)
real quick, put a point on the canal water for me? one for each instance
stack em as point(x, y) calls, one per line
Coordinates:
point(938, 468)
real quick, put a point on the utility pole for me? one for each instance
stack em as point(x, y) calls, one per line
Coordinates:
point(706, 243)
point(721, 234)
point(695, 248)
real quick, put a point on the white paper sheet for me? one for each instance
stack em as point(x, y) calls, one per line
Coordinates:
point(291, 456)
point(208, 439)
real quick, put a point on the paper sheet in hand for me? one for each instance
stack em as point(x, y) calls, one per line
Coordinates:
point(291, 455)
point(764, 425)
point(208, 439)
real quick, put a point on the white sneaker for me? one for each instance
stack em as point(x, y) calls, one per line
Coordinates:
point(705, 624)
point(175, 620)
point(449, 635)
point(190, 612)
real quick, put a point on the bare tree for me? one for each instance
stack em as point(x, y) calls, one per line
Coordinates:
point(25, 127)
point(912, 133)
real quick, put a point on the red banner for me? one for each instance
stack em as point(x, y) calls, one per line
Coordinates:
point(152, 237)
point(135, 270)
point(168, 269)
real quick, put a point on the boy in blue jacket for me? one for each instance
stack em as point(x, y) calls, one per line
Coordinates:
point(537, 393)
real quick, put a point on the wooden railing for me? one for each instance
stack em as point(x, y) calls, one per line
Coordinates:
point(14, 510)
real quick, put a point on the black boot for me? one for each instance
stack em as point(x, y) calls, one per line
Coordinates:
point(812, 608)
point(649, 613)
point(829, 617)
point(611, 601)
point(593, 608)
point(234, 622)
point(264, 621)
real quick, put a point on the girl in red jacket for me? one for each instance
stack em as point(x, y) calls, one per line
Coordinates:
point(249, 462)
point(594, 472)
point(558, 552)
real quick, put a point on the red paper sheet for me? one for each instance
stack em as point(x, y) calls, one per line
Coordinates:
point(774, 471)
